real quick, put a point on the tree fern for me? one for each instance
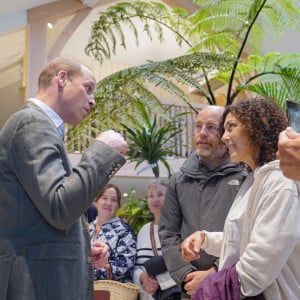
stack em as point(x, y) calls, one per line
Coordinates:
point(118, 95)
point(235, 16)
point(244, 23)
point(236, 27)
point(233, 27)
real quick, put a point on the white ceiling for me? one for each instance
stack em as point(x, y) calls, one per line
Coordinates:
point(13, 21)
point(13, 6)
point(13, 13)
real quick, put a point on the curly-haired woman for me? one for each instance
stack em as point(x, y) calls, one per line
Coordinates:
point(260, 247)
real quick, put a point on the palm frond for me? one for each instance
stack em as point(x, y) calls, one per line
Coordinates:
point(273, 90)
point(151, 141)
point(272, 67)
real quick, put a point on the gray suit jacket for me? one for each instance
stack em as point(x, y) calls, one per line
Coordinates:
point(42, 200)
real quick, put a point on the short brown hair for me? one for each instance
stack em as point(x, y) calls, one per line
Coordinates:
point(72, 68)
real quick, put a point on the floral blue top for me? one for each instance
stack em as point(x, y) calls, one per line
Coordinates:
point(121, 240)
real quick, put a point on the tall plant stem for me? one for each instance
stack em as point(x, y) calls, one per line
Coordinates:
point(229, 100)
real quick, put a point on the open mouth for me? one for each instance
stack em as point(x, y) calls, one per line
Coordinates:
point(231, 148)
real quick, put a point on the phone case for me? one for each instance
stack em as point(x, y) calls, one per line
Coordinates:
point(293, 114)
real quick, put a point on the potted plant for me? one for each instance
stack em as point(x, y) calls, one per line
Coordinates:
point(150, 141)
point(135, 211)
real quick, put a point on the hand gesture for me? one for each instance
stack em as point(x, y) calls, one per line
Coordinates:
point(149, 283)
point(100, 254)
point(289, 153)
point(113, 139)
point(194, 279)
point(190, 247)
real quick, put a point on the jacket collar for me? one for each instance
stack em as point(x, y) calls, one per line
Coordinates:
point(193, 167)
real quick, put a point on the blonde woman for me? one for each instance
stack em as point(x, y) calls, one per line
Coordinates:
point(150, 270)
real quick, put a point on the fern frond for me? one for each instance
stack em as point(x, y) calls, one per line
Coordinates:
point(273, 90)
point(155, 17)
point(236, 16)
point(285, 83)
point(243, 23)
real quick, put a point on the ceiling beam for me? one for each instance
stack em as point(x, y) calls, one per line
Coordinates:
point(67, 32)
point(37, 46)
point(91, 3)
point(57, 9)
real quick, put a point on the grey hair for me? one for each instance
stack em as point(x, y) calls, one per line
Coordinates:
point(158, 181)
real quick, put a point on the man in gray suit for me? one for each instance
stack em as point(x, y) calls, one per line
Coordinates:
point(45, 251)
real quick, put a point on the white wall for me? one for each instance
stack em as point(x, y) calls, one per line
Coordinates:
point(133, 55)
point(126, 178)
point(288, 43)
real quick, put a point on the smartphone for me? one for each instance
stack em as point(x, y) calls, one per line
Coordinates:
point(293, 114)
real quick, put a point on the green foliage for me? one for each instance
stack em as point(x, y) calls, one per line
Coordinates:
point(150, 141)
point(238, 27)
point(118, 96)
point(274, 75)
point(224, 25)
point(135, 211)
point(108, 31)
point(234, 28)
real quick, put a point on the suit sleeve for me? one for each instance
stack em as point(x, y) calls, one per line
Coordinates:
point(41, 166)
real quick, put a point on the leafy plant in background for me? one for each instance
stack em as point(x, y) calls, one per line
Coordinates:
point(282, 72)
point(135, 211)
point(118, 95)
point(235, 28)
point(238, 28)
point(150, 141)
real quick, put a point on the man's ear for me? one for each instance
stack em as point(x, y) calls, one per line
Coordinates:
point(61, 78)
